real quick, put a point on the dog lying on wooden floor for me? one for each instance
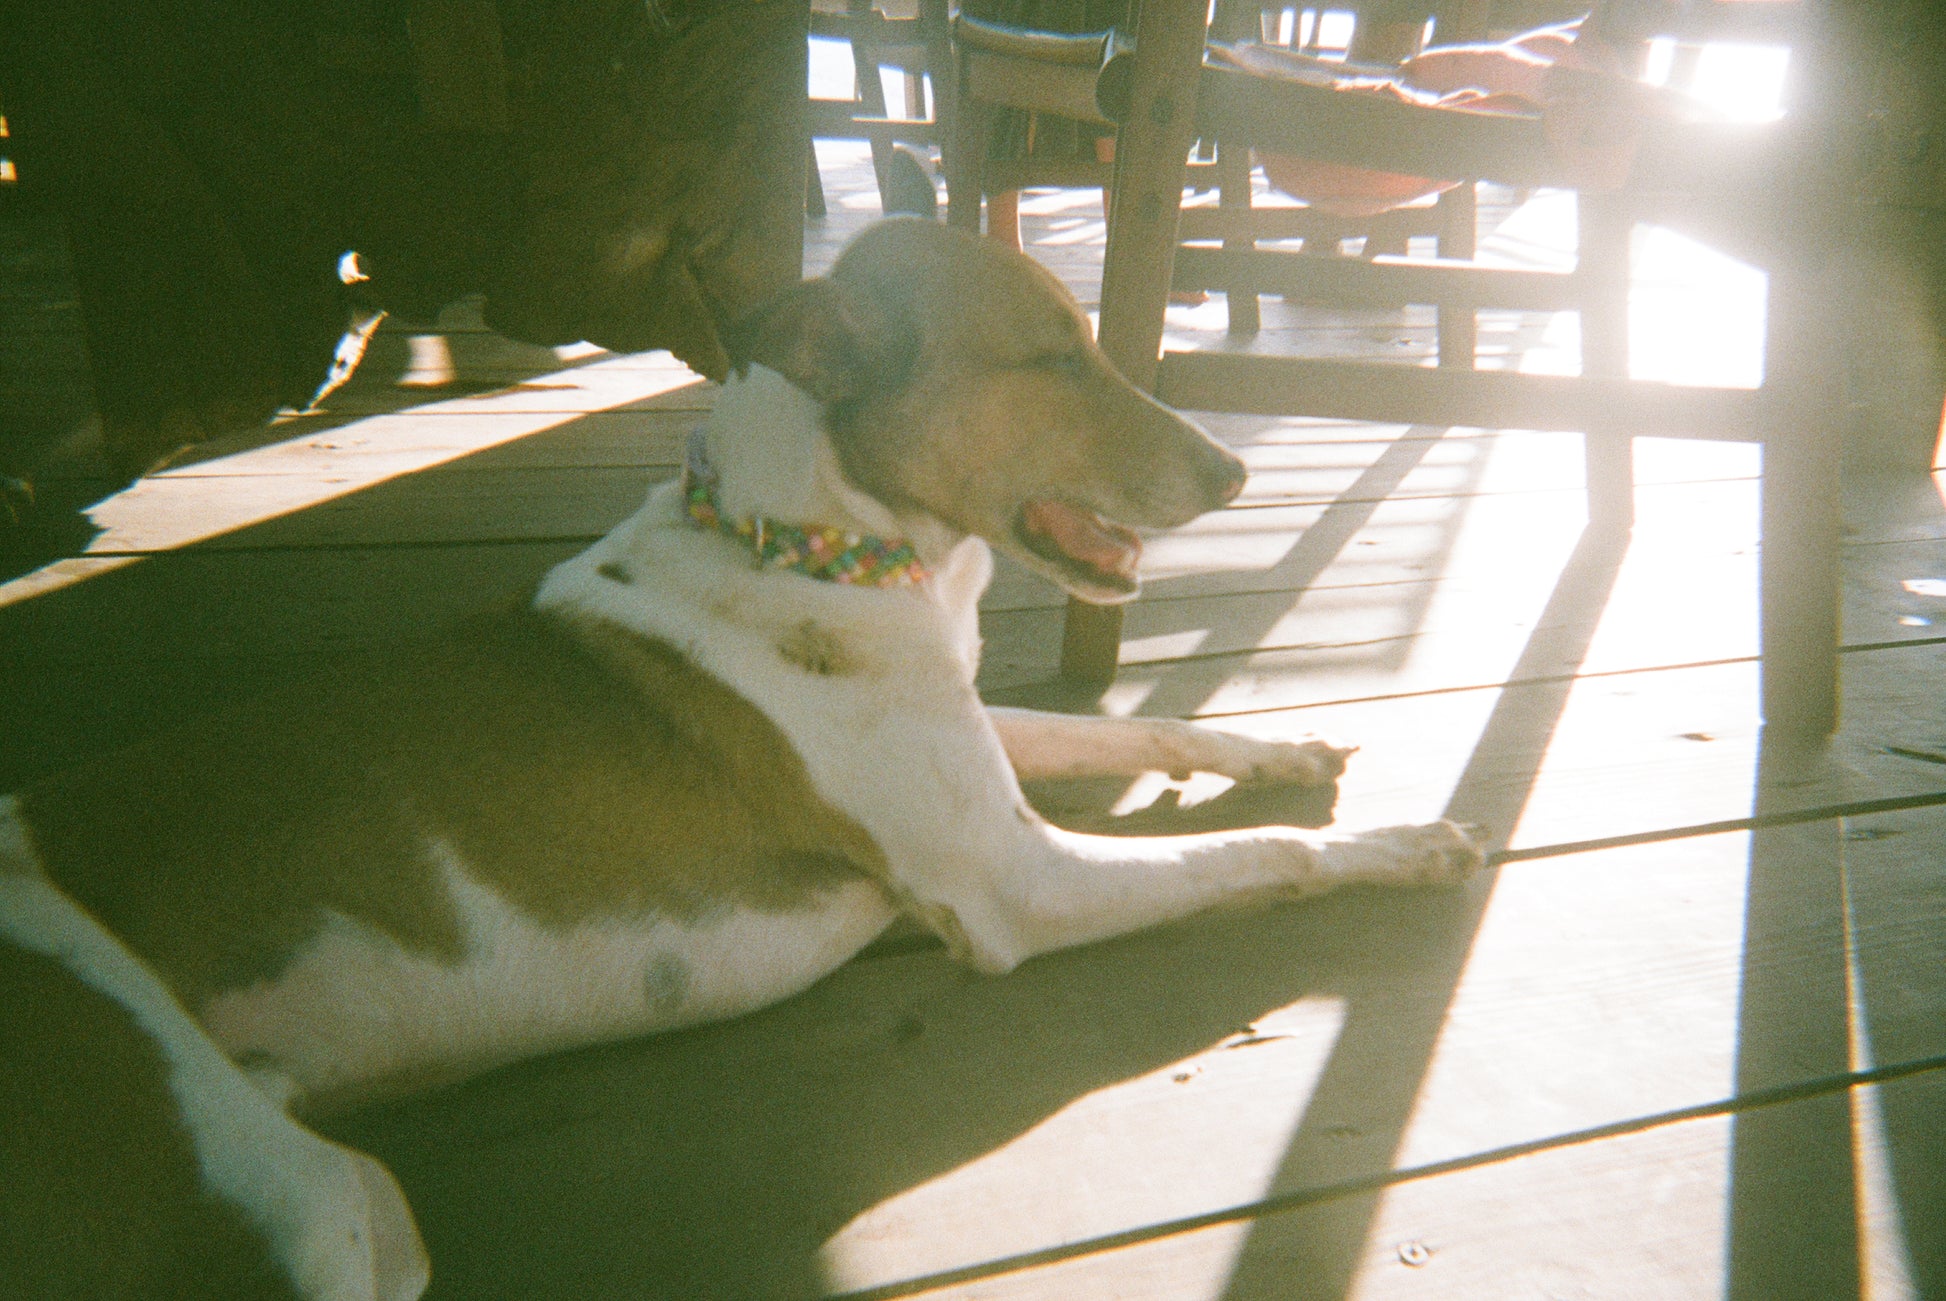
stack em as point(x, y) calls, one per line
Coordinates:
point(720, 752)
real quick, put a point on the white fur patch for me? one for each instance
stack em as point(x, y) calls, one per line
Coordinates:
point(907, 750)
point(318, 1204)
point(904, 751)
point(354, 1008)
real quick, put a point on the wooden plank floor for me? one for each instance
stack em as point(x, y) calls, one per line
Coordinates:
point(1688, 1041)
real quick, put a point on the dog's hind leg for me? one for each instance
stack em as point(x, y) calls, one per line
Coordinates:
point(1042, 746)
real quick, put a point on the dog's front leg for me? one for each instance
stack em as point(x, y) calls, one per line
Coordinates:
point(1043, 746)
point(1067, 888)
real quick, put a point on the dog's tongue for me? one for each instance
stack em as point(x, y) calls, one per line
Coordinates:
point(1084, 535)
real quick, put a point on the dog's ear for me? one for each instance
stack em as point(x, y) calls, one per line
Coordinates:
point(817, 336)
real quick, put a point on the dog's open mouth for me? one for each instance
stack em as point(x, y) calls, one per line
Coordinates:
point(1096, 551)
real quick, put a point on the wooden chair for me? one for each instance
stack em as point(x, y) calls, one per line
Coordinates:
point(913, 40)
point(1000, 68)
point(1083, 79)
point(1177, 96)
point(1087, 79)
point(1381, 36)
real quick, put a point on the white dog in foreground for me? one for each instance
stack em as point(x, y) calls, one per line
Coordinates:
point(722, 750)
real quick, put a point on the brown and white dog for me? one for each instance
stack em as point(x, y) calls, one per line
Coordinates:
point(686, 782)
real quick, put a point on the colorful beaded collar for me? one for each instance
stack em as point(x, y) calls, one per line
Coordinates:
point(816, 552)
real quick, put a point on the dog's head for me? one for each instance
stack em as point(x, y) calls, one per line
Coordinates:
point(961, 379)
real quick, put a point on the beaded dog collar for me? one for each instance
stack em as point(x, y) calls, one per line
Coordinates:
point(816, 552)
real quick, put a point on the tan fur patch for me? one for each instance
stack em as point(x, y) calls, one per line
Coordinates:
point(817, 649)
point(579, 771)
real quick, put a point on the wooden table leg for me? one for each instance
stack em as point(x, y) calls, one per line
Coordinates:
point(1151, 156)
point(1458, 324)
point(963, 157)
point(1801, 520)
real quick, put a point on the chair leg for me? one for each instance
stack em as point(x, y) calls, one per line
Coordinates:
point(1091, 643)
point(1809, 325)
point(942, 68)
point(1003, 218)
point(1458, 328)
point(1603, 271)
point(1151, 156)
point(1233, 196)
point(964, 159)
point(871, 97)
point(814, 205)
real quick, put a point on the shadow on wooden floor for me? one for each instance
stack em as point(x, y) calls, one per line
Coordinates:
point(155, 639)
point(1806, 1179)
point(1792, 1170)
point(1190, 685)
point(1383, 1053)
point(716, 1162)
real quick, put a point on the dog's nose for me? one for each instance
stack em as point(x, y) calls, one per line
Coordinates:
point(1227, 476)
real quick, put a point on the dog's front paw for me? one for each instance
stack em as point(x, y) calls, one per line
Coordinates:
point(1436, 853)
point(1313, 761)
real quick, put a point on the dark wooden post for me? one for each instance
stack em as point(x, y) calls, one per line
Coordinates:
point(1151, 157)
point(1799, 579)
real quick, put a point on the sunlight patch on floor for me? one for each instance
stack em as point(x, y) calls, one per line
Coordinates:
point(1537, 1008)
point(1049, 203)
point(179, 508)
point(1687, 589)
point(1074, 231)
point(1644, 1215)
point(1166, 646)
point(1532, 1003)
point(1104, 1162)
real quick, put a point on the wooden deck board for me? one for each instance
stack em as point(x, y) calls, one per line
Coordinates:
point(1638, 1216)
point(451, 507)
point(157, 644)
point(639, 434)
point(1562, 761)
